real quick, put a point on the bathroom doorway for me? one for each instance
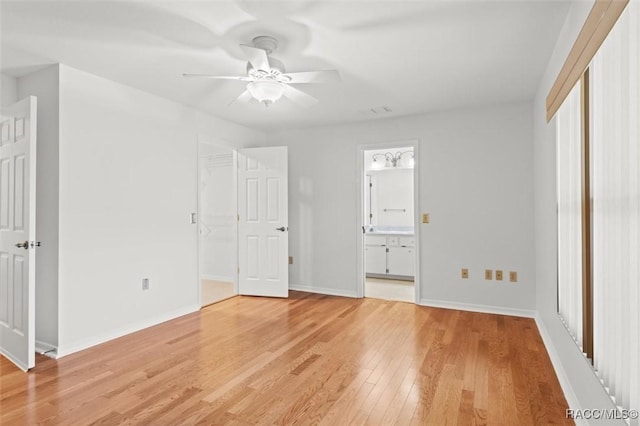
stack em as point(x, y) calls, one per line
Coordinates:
point(389, 243)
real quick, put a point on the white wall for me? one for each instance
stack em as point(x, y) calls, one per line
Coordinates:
point(581, 386)
point(8, 89)
point(476, 181)
point(128, 183)
point(44, 85)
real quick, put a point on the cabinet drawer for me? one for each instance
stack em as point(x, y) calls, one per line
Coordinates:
point(375, 240)
point(407, 242)
point(392, 241)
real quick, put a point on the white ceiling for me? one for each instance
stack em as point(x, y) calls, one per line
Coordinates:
point(412, 56)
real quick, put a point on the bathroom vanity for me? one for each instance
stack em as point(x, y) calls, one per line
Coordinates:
point(389, 252)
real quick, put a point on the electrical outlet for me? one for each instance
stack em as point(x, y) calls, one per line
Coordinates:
point(145, 283)
point(290, 260)
point(464, 273)
point(425, 217)
point(488, 274)
point(513, 276)
point(498, 275)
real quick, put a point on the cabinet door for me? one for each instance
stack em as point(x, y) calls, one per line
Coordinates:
point(400, 261)
point(376, 260)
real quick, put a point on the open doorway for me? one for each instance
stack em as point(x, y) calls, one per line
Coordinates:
point(217, 223)
point(388, 218)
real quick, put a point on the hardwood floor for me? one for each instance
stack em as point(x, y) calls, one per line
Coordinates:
point(310, 359)
point(213, 291)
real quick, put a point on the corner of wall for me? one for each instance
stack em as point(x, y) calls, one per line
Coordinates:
point(8, 89)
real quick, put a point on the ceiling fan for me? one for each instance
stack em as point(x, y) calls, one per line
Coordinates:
point(267, 78)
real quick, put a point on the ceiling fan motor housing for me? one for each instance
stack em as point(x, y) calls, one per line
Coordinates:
point(275, 73)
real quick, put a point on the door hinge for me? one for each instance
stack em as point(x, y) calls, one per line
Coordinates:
point(238, 270)
point(238, 218)
point(370, 215)
point(387, 270)
point(387, 249)
point(370, 185)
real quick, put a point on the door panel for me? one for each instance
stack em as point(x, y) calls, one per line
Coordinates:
point(17, 232)
point(273, 200)
point(253, 201)
point(18, 194)
point(262, 222)
point(5, 166)
point(273, 257)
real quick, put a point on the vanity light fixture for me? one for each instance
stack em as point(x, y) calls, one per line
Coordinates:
point(391, 160)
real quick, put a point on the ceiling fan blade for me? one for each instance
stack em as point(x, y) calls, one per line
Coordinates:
point(299, 97)
point(325, 76)
point(244, 97)
point(217, 77)
point(258, 57)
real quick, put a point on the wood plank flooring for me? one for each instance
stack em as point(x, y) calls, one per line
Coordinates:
point(309, 359)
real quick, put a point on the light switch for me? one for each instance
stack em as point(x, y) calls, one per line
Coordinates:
point(425, 217)
point(498, 275)
point(488, 274)
point(464, 273)
point(513, 276)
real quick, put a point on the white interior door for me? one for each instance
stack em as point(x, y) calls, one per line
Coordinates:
point(263, 244)
point(17, 232)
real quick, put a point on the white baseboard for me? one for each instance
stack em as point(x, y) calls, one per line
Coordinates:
point(565, 384)
point(323, 290)
point(216, 278)
point(64, 350)
point(487, 309)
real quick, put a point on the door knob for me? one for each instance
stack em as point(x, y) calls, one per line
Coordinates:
point(281, 229)
point(24, 245)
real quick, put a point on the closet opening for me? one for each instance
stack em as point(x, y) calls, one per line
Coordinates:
point(217, 245)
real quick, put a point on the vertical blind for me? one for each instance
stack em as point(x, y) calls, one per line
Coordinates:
point(569, 213)
point(615, 181)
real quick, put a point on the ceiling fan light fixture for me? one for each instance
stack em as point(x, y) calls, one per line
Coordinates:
point(266, 92)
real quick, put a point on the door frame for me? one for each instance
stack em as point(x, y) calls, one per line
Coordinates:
point(220, 144)
point(415, 144)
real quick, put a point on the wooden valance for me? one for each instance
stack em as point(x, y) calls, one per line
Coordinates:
point(597, 26)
